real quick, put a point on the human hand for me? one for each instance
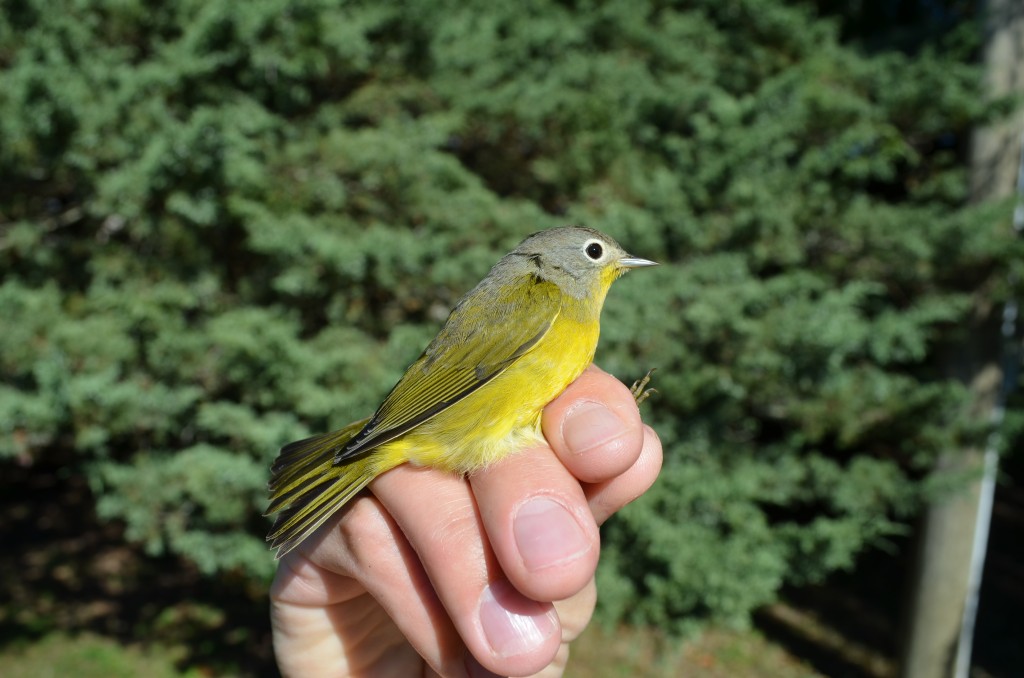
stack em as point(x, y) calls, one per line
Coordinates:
point(433, 573)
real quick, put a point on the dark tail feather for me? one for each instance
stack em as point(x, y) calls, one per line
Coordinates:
point(283, 466)
point(306, 488)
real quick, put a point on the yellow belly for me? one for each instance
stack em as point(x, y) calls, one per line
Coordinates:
point(504, 415)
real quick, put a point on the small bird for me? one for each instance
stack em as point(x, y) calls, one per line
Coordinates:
point(475, 395)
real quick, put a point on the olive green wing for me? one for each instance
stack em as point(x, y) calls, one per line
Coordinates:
point(485, 334)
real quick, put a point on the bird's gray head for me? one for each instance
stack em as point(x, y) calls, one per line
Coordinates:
point(579, 260)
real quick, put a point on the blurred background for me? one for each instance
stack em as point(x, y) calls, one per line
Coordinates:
point(225, 226)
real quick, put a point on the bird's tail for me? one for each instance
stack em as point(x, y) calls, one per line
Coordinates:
point(306, 487)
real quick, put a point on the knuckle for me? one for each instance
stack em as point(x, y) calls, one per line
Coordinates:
point(362, 531)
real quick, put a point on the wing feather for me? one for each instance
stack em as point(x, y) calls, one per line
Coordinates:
point(485, 334)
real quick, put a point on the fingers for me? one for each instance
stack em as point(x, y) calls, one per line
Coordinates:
point(452, 566)
point(506, 631)
point(538, 523)
point(358, 578)
point(594, 427)
point(608, 497)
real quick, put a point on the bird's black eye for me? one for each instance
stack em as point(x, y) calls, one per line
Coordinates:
point(594, 250)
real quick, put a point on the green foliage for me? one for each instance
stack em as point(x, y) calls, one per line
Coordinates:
point(223, 229)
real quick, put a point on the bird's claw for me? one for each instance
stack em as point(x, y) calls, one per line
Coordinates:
point(641, 394)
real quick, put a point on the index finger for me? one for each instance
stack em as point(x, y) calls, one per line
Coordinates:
point(594, 427)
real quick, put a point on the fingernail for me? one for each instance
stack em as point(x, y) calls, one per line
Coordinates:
point(588, 425)
point(547, 534)
point(513, 624)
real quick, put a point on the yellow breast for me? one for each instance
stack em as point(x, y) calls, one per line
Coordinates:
point(504, 415)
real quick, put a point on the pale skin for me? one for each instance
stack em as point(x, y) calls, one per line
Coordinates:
point(434, 574)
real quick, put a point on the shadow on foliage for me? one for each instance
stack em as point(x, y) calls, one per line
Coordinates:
point(849, 626)
point(63, 570)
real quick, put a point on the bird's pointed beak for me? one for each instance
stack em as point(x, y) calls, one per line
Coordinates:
point(635, 262)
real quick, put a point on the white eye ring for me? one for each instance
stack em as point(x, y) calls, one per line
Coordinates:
point(594, 249)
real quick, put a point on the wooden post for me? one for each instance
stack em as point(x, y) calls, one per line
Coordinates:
point(942, 580)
